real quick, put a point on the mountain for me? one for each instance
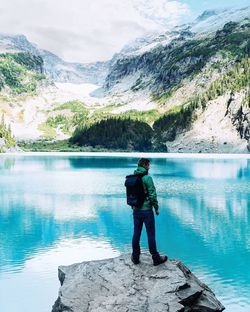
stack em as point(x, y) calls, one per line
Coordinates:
point(189, 72)
point(211, 21)
point(156, 51)
point(61, 71)
point(16, 43)
point(208, 21)
point(206, 14)
point(190, 84)
point(55, 68)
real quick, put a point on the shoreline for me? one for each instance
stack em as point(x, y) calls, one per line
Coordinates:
point(133, 155)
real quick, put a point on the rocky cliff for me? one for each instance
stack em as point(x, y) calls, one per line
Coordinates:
point(118, 285)
point(222, 127)
point(238, 111)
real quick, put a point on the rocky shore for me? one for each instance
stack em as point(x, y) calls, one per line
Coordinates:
point(119, 285)
point(4, 147)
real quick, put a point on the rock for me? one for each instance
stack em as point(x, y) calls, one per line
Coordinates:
point(239, 114)
point(118, 285)
point(5, 149)
point(248, 146)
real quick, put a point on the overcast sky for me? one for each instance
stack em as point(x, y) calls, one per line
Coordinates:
point(93, 30)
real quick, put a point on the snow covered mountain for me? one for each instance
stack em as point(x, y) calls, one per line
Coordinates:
point(16, 43)
point(208, 22)
point(149, 56)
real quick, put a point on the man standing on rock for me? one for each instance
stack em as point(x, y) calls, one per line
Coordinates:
point(142, 197)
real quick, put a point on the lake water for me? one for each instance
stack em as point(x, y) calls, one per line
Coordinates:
point(58, 210)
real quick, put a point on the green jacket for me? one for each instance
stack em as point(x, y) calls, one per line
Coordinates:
point(151, 200)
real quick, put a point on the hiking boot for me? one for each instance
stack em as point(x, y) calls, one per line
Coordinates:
point(135, 260)
point(159, 259)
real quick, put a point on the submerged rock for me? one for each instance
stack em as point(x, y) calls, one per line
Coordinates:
point(119, 285)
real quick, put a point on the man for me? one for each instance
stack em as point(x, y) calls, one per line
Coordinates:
point(144, 214)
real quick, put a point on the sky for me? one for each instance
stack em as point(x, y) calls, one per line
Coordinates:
point(93, 30)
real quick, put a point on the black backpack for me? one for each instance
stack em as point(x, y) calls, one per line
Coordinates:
point(135, 190)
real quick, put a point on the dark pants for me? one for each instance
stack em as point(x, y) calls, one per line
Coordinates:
point(146, 217)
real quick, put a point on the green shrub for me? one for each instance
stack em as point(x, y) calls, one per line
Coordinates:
point(48, 132)
point(20, 72)
point(74, 106)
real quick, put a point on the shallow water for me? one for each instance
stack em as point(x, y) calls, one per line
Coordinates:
point(62, 209)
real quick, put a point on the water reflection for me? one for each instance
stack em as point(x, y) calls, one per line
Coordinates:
point(56, 209)
point(223, 169)
point(40, 271)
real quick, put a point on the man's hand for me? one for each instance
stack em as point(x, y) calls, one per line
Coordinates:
point(157, 212)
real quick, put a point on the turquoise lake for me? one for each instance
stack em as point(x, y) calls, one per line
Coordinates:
point(61, 209)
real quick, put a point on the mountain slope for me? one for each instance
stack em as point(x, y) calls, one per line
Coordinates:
point(20, 72)
point(184, 56)
point(54, 67)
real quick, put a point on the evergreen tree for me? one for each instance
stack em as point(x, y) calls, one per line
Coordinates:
point(115, 133)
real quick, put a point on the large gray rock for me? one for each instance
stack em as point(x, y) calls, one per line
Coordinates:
point(119, 285)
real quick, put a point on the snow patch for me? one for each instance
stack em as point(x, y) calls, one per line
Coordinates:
point(80, 91)
point(216, 22)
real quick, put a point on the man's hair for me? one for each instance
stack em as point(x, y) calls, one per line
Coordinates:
point(143, 162)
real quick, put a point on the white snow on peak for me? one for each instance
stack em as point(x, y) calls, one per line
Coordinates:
point(218, 20)
point(209, 21)
point(152, 45)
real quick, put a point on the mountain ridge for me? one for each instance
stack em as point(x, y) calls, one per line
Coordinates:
point(55, 68)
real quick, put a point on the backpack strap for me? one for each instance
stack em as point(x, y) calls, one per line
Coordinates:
point(145, 190)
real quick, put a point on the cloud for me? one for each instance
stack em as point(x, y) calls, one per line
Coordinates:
point(87, 30)
point(164, 12)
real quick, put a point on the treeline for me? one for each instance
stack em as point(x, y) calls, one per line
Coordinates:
point(82, 117)
point(5, 133)
point(166, 127)
point(115, 133)
point(234, 80)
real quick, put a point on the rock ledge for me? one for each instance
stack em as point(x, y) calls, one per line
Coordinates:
point(118, 285)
